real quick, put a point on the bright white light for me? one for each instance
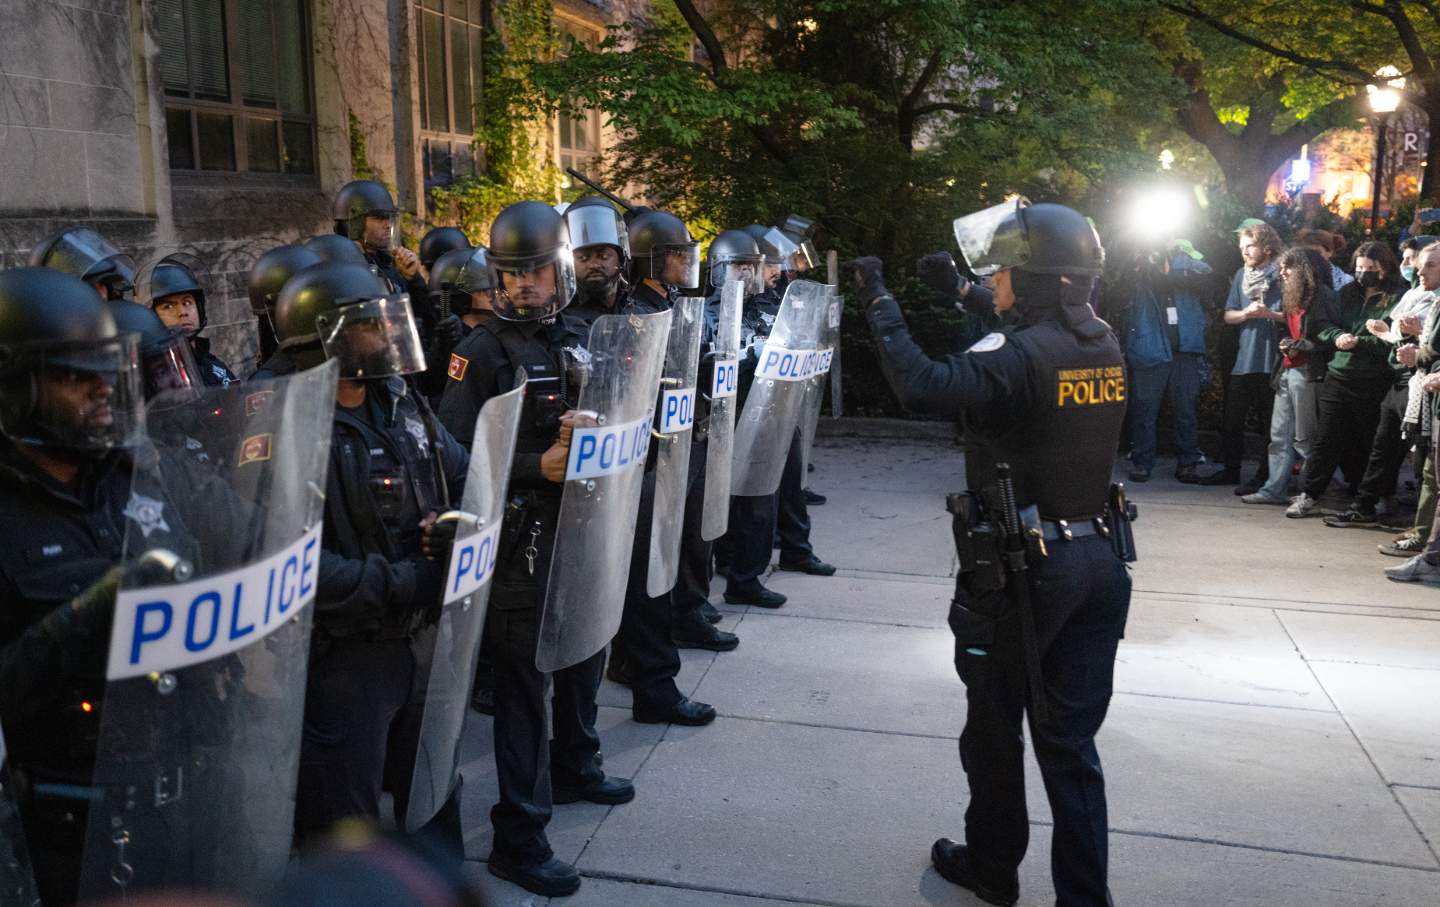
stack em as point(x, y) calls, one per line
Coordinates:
point(1385, 98)
point(1167, 159)
point(1159, 214)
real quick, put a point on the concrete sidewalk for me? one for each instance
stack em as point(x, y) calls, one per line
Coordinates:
point(1274, 738)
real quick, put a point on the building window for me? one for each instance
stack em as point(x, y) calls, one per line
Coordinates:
point(237, 85)
point(577, 132)
point(450, 33)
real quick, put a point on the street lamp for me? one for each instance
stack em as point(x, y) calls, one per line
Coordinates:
point(1384, 101)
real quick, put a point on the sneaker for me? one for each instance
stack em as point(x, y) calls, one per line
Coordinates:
point(1408, 546)
point(1259, 497)
point(1302, 506)
point(1415, 570)
point(1187, 475)
point(1352, 517)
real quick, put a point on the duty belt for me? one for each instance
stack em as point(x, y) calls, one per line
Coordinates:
point(1069, 530)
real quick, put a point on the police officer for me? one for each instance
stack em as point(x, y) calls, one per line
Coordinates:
point(664, 259)
point(83, 253)
point(70, 445)
point(601, 245)
point(463, 283)
point(732, 254)
point(263, 284)
point(393, 468)
point(437, 242)
point(365, 213)
point(173, 288)
point(1047, 399)
point(530, 252)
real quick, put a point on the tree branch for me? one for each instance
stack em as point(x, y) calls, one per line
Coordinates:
point(917, 91)
point(938, 106)
point(1404, 28)
point(1327, 68)
point(719, 69)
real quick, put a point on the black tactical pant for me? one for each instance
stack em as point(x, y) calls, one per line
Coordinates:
point(644, 639)
point(792, 517)
point(1349, 412)
point(364, 701)
point(749, 541)
point(692, 586)
point(527, 759)
point(1244, 393)
point(1080, 595)
point(1387, 449)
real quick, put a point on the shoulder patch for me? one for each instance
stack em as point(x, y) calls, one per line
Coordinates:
point(988, 344)
point(257, 401)
point(256, 449)
point(458, 365)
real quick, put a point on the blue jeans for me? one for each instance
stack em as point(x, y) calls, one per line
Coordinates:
point(1292, 428)
point(1148, 386)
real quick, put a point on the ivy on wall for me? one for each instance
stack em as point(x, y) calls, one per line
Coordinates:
point(515, 165)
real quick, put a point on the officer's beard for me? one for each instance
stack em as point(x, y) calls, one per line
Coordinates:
point(597, 289)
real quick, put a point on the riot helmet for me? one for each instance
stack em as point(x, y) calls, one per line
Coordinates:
point(167, 364)
point(662, 250)
point(530, 251)
point(438, 242)
point(734, 254)
point(357, 200)
point(68, 378)
point(83, 253)
point(347, 311)
point(163, 286)
point(771, 267)
point(271, 270)
point(333, 247)
point(601, 243)
point(1035, 239)
point(464, 273)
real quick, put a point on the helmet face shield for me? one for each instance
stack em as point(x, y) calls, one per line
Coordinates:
point(168, 371)
point(378, 230)
point(993, 239)
point(744, 268)
point(83, 396)
point(534, 288)
point(87, 255)
point(676, 265)
point(372, 339)
point(477, 278)
point(596, 225)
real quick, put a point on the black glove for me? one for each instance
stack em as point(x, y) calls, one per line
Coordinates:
point(91, 611)
point(868, 275)
point(448, 331)
point(438, 539)
point(938, 272)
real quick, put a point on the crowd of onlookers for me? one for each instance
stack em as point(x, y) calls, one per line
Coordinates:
point(1337, 355)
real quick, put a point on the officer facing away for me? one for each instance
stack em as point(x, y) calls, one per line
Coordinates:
point(83, 253)
point(530, 252)
point(393, 468)
point(1048, 399)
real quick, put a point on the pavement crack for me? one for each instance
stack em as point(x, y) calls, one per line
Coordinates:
point(713, 889)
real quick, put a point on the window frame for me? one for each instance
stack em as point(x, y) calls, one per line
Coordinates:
point(239, 111)
point(567, 26)
point(430, 137)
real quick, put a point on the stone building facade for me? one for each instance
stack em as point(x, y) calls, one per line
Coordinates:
point(223, 128)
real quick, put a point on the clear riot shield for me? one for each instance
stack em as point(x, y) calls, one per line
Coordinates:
point(17, 881)
point(815, 390)
point(674, 429)
point(721, 424)
point(596, 527)
point(462, 617)
point(200, 719)
point(788, 362)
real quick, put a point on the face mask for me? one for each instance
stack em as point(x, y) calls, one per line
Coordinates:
point(1368, 279)
point(1408, 272)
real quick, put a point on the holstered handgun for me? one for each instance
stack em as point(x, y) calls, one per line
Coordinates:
point(1119, 514)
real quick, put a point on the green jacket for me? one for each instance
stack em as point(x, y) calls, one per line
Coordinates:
point(1369, 361)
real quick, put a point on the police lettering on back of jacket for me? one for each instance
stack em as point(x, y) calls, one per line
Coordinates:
point(1042, 536)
